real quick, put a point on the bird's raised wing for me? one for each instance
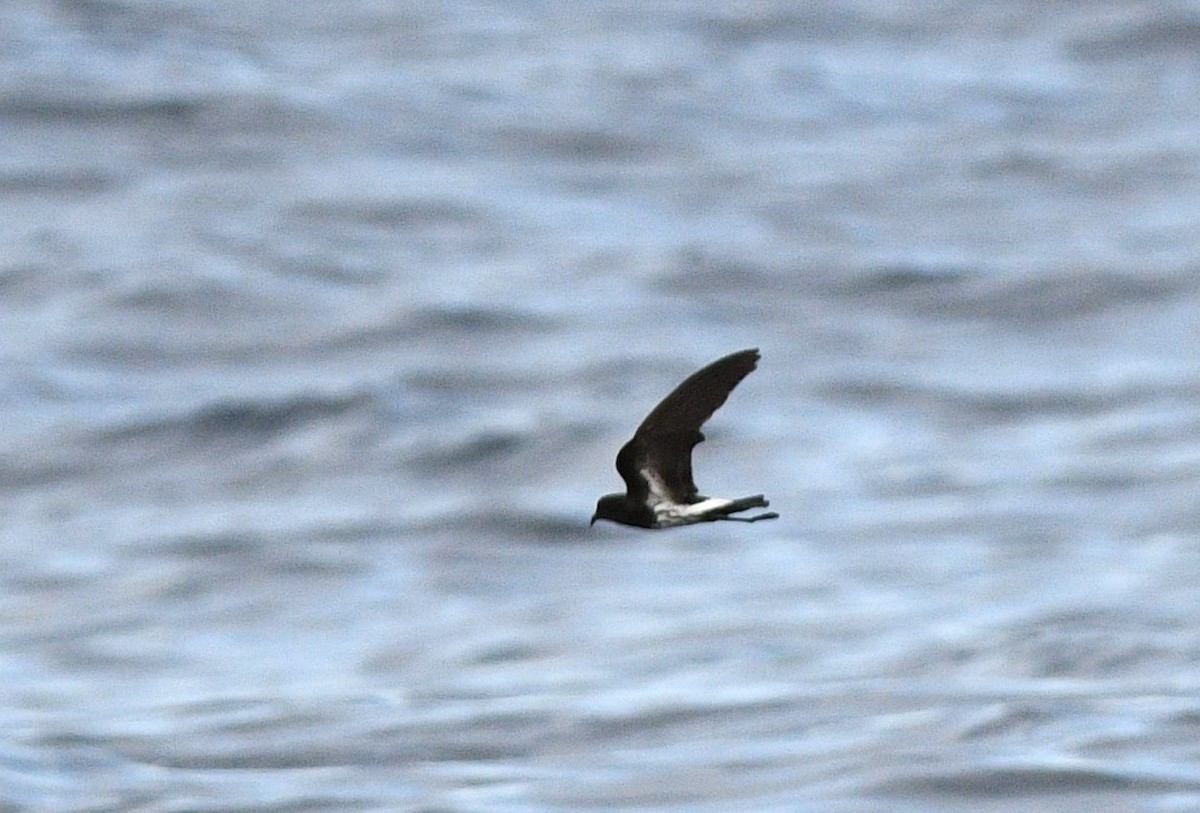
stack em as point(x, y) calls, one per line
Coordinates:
point(658, 468)
point(700, 395)
point(658, 460)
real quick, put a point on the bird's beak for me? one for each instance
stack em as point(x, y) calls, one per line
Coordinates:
point(593, 522)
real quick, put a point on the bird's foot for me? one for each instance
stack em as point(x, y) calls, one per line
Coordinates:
point(768, 515)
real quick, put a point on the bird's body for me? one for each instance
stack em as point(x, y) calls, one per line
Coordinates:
point(656, 464)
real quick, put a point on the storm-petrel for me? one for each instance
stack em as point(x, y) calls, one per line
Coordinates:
point(657, 463)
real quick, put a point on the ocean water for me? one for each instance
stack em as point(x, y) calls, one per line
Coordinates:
point(322, 324)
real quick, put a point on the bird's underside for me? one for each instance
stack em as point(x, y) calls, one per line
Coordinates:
point(656, 464)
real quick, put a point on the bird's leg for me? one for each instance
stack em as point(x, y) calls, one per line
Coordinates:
point(768, 515)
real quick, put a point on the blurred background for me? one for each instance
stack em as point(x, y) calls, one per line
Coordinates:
point(322, 325)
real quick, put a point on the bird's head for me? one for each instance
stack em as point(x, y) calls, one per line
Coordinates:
point(610, 507)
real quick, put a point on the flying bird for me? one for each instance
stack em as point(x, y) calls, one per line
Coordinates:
point(656, 464)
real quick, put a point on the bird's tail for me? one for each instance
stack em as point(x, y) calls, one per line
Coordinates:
point(757, 501)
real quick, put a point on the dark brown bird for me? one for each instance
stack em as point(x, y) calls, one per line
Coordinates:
point(657, 463)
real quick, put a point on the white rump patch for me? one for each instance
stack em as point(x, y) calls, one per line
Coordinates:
point(670, 514)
